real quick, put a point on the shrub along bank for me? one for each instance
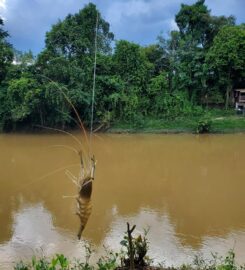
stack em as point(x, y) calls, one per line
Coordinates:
point(133, 255)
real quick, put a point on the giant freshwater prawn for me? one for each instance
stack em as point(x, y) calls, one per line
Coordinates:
point(84, 181)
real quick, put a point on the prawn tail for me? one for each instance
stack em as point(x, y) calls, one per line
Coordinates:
point(80, 231)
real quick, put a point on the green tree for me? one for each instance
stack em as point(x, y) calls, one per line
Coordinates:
point(68, 58)
point(157, 92)
point(74, 36)
point(6, 53)
point(170, 59)
point(24, 59)
point(24, 100)
point(109, 86)
point(197, 28)
point(154, 54)
point(226, 57)
point(133, 68)
point(196, 21)
point(192, 20)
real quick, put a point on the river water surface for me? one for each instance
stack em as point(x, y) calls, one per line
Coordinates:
point(188, 190)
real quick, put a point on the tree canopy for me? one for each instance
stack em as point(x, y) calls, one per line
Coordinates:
point(226, 57)
point(197, 64)
point(6, 53)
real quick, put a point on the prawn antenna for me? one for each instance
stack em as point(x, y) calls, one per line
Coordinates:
point(67, 133)
point(71, 104)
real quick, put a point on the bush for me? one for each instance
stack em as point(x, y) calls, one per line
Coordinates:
point(136, 250)
point(204, 125)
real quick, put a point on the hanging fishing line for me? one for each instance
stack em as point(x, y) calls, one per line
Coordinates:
point(93, 89)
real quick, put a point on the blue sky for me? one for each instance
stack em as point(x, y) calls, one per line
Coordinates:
point(140, 21)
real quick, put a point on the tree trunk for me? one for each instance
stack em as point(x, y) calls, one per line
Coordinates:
point(41, 116)
point(227, 95)
point(131, 247)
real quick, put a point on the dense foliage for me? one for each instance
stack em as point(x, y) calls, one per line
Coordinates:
point(195, 68)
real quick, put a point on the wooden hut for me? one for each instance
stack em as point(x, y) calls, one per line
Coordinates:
point(239, 98)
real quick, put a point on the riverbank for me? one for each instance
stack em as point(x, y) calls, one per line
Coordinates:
point(111, 261)
point(132, 255)
point(217, 124)
point(210, 121)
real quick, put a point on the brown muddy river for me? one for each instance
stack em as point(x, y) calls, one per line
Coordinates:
point(188, 190)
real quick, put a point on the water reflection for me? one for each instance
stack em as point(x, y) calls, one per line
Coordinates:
point(34, 233)
point(188, 189)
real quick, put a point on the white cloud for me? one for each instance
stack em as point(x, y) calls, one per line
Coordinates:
point(173, 25)
point(141, 21)
point(2, 9)
point(121, 9)
point(136, 8)
point(2, 4)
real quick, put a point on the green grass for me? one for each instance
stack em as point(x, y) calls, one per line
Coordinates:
point(228, 124)
point(149, 125)
point(111, 262)
point(221, 122)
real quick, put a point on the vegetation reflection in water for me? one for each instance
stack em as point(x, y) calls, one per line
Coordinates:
point(187, 189)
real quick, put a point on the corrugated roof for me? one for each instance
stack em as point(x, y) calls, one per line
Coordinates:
point(240, 90)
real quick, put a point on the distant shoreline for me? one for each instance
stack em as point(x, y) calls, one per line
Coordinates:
point(212, 122)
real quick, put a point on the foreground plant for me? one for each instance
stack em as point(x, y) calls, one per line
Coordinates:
point(57, 262)
point(136, 250)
